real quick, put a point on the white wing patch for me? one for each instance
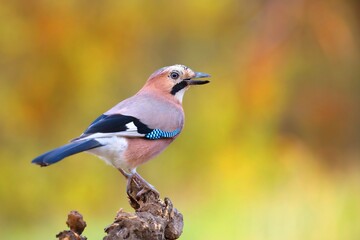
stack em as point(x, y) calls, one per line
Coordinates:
point(131, 126)
point(131, 131)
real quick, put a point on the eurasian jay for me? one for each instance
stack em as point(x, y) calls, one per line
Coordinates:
point(138, 128)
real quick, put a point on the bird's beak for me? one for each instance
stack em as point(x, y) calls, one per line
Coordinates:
point(194, 81)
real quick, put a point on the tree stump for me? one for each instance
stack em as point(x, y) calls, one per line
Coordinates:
point(154, 219)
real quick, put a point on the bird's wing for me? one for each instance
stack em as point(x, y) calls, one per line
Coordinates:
point(116, 125)
point(123, 126)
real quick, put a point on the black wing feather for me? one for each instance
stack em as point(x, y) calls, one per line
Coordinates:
point(115, 123)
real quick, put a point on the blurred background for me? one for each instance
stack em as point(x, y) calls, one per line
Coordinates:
point(270, 149)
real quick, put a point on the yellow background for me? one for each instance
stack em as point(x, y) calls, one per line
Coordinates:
point(270, 149)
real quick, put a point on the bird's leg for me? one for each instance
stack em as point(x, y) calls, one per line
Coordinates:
point(129, 177)
point(124, 173)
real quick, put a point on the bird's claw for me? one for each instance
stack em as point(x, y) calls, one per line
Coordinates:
point(145, 190)
point(142, 186)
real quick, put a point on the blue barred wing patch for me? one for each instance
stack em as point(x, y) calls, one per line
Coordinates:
point(158, 133)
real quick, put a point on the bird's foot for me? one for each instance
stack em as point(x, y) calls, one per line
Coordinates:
point(146, 187)
point(143, 187)
point(137, 186)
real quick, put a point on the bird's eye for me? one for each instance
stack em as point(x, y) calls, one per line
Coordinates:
point(174, 75)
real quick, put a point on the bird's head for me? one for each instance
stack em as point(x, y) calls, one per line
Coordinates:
point(175, 80)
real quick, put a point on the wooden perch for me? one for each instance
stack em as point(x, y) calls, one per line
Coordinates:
point(153, 219)
point(76, 224)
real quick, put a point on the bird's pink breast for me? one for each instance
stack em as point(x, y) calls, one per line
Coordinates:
point(141, 150)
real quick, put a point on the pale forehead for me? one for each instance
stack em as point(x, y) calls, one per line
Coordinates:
point(179, 67)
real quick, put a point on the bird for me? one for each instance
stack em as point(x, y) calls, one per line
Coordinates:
point(138, 128)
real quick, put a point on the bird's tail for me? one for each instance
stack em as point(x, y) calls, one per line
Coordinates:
point(62, 152)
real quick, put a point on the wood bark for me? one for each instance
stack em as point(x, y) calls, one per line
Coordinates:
point(153, 219)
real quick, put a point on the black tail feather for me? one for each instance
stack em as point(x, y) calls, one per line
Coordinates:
point(62, 152)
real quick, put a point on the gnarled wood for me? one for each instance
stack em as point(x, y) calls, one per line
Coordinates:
point(154, 219)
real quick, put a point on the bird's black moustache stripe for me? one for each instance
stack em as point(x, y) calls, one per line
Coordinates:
point(177, 87)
